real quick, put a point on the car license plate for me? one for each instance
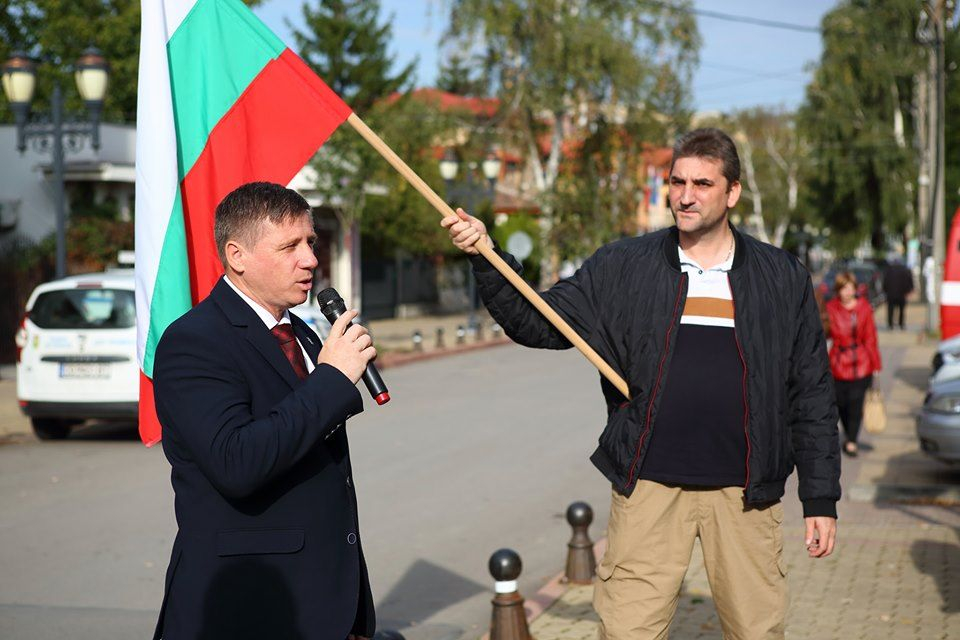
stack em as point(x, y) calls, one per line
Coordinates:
point(84, 370)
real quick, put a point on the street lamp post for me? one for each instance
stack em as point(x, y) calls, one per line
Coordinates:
point(470, 193)
point(52, 133)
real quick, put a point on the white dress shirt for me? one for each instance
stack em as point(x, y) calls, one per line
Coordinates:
point(270, 321)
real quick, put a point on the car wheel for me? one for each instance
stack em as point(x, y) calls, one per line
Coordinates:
point(50, 428)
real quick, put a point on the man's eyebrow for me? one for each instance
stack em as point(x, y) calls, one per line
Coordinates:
point(697, 181)
point(290, 240)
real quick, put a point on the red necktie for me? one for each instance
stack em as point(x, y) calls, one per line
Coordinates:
point(291, 348)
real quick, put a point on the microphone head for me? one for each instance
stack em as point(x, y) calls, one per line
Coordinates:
point(331, 304)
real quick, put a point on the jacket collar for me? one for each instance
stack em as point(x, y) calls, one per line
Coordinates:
point(240, 315)
point(671, 242)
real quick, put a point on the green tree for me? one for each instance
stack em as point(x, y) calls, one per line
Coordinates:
point(460, 78)
point(343, 42)
point(565, 68)
point(952, 118)
point(395, 215)
point(58, 31)
point(858, 119)
point(775, 166)
point(595, 196)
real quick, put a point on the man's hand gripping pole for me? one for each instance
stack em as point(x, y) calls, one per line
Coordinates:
point(487, 252)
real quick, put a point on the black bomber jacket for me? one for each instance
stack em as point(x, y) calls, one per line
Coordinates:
point(626, 302)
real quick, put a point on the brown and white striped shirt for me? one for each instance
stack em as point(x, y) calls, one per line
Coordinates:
point(698, 434)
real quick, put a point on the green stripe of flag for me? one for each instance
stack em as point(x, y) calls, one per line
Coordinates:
point(171, 290)
point(214, 55)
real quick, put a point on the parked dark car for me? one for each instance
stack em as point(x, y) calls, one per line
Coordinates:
point(938, 423)
point(869, 281)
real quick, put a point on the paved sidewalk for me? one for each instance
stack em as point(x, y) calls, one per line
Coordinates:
point(395, 335)
point(896, 572)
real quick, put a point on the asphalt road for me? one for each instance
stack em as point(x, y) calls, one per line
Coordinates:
point(475, 452)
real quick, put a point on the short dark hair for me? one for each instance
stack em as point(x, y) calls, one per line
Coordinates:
point(241, 212)
point(709, 143)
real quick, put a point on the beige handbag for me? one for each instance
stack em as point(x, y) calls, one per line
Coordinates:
point(874, 413)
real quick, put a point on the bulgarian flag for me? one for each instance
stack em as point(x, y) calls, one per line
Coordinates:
point(221, 102)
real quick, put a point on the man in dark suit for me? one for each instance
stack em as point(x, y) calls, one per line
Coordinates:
point(253, 415)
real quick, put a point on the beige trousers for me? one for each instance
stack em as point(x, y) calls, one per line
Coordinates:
point(649, 542)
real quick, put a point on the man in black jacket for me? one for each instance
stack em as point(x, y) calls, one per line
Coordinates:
point(897, 285)
point(253, 416)
point(719, 338)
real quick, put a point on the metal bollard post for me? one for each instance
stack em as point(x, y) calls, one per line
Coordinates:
point(440, 338)
point(461, 334)
point(478, 332)
point(581, 564)
point(496, 330)
point(417, 340)
point(509, 620)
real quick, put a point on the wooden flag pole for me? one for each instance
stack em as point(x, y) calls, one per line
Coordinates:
point(498, 263)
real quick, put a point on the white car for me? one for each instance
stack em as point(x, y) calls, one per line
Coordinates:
point(77, 352)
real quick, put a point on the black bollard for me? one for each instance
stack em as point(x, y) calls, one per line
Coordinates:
point(509, 620)
point(388, 634)
point(461, 334)
point(417, 340)
point(439, 337)
point(581, 563)
point(478, 332)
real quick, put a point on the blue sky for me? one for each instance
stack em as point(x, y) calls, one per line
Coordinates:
point(741, 65)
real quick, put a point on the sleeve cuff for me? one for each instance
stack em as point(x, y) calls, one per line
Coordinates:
point(480, 264)
point(343, 397)
point(820, 507)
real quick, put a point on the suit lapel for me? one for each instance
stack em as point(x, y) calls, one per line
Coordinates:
point(255, 331)
point(308, 338)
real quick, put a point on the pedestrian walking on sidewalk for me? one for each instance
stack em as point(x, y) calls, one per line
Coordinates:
point(720, 340)
point(854, 355)
point(897, 285)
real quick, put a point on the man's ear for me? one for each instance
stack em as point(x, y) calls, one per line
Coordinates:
point(733, 194)
point(235, 255)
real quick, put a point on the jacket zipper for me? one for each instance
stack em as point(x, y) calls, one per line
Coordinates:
point(746, 405)
point(853, 332)
point(656, 385)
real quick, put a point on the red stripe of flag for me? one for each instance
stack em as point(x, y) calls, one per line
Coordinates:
point(149, 425)
point(269, 134)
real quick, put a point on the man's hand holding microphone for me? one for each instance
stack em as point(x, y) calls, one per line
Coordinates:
point(353, 345)
point(348, 348)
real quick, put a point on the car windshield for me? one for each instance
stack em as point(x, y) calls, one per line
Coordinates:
point(85, 309)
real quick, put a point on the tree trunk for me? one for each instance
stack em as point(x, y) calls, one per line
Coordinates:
point(756, 197)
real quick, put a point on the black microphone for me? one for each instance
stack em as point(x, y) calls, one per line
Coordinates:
point(332, 307)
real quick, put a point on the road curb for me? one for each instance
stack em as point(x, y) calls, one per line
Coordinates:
point(390, 360)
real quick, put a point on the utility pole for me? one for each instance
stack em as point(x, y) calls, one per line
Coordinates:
point(936, 11)
point(924, 143)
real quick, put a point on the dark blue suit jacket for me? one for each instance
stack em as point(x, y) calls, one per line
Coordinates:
point(268, 542)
